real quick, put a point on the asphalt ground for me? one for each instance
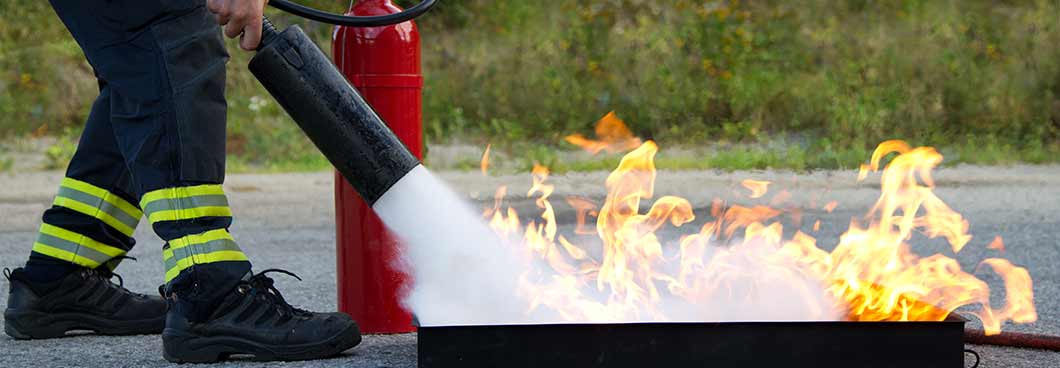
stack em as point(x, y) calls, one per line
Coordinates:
point(286, 221)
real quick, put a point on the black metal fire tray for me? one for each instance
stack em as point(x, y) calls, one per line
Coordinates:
point(713, 344)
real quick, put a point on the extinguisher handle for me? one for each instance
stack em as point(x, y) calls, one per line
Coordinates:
point(359, 21)
point(268, 33)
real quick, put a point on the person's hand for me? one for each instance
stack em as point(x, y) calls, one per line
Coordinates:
point(240, 17)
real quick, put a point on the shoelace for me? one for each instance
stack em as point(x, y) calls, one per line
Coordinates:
point(105, 273)
point(262, 285)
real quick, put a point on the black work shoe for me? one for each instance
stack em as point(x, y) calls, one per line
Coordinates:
point(254, 319)
point(85, 299)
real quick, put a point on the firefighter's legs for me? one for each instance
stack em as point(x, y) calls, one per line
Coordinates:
point(173, 140)
point(163, 66)
point(153, 147)
point(163, 63)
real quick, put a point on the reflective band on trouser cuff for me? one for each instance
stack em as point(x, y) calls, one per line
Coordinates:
point(185, 203)
point(69, 246)
point(208, 247)
point(98, 203)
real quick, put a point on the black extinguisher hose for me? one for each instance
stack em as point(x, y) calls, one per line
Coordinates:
point(357, 21)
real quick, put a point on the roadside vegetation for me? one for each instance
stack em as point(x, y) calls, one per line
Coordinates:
point(800, 85)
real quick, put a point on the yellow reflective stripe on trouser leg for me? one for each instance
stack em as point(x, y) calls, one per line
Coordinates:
point(185, 203)
point(59, 243)
point(208, 247)
point(98, 203)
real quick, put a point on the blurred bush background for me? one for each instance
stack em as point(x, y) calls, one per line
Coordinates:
point(803, 84)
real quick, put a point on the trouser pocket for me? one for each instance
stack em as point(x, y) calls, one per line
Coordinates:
point(195, 58)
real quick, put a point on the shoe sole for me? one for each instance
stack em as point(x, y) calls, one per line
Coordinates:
point(184, 347)
point(26, 325)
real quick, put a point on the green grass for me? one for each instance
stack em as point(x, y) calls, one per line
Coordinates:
point(6, 163)
point(800, 85)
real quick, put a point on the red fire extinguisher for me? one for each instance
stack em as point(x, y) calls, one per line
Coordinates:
point(383, 63)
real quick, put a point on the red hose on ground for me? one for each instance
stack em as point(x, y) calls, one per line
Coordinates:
point(1013, 339)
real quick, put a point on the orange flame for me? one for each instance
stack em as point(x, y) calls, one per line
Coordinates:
point(871, 275)
point(584, 208)
point(830, 206)
point(758, 188)
point(484, 164)
point(997, 244)
point(613, 137)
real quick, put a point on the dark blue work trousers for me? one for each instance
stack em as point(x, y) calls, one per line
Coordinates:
point(153, 146)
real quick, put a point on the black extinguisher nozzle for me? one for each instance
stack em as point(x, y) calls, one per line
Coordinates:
point(330, 111)
point(269, 33)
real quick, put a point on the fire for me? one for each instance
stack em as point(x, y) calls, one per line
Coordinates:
point(613, 136)
point(484, 164)
point(830, 206)
point(627, 272)
point(997, 244)
point(758, 188)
